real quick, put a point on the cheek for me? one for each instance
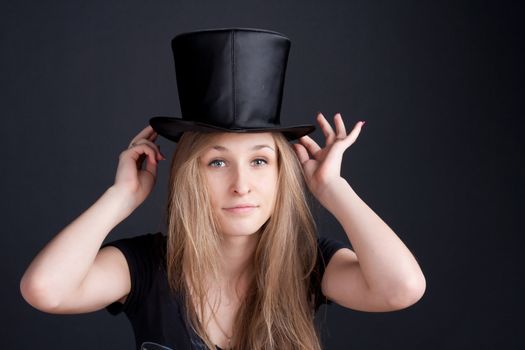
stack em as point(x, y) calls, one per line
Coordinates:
point(213, 187)
point(268, 186)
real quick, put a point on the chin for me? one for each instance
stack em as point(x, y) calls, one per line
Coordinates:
point(238, 233)
point(241, 226)
point(241, 230)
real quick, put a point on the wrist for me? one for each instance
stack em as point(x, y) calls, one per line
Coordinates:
point(119, 201)
point(331, 192)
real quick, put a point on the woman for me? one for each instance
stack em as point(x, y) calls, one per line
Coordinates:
point(240, 267)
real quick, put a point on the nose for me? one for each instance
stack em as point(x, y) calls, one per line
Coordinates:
point(241, 181)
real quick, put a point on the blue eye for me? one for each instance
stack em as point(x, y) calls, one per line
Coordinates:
point(216, 163)
point(260, 162)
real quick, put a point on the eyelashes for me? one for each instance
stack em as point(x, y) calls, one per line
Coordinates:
point(260, 162)
point(219, 163)
point(214, 163)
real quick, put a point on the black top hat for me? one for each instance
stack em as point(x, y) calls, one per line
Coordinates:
point(229, 80)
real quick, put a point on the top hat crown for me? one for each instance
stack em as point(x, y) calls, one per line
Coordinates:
point(229, 80)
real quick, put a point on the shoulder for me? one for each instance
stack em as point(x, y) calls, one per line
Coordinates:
point(150, 242)
point(145, 251)
point(144, 238)
point(327, 247)
point(144, 257)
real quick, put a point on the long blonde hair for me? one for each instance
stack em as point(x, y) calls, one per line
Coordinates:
point(278, 310)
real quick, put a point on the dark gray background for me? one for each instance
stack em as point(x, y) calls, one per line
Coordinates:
point(440, 84)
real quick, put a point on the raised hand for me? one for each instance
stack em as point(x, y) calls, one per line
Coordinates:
point(322, 166)
point(131, 179)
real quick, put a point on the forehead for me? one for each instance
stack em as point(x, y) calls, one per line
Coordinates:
point(241, 141)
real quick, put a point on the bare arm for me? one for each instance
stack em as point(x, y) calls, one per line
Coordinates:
point(382, 274)
point(71, 274)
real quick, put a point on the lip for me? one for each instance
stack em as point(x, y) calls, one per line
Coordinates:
point(241, 208)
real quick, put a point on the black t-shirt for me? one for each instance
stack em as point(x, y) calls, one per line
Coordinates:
point(156, 315)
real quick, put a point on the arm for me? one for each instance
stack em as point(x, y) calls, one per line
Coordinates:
point(382, 274)
point(387, 273)
point(70, 274)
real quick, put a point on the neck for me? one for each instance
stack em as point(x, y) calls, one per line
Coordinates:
point(237, 257)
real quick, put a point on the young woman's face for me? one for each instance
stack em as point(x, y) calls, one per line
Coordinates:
point(241, 172)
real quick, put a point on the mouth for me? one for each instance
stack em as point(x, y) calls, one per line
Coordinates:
point(242, 208)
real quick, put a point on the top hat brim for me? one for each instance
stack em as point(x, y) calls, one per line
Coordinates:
point(173, 128)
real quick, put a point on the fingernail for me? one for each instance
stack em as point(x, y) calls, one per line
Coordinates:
point(363, 123)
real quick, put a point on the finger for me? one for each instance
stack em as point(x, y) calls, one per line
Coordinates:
point(151, 167)
point(339, 126)
point(156, 147)
point(161, 155)
point(326, 128)
point(302, 153)
point(158, 154)
point(153, 136)
point(352, 137)
point(142, 149)
point(310, 145)
point(144, 134)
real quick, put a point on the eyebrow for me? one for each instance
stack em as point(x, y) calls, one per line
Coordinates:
point(254, 148)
